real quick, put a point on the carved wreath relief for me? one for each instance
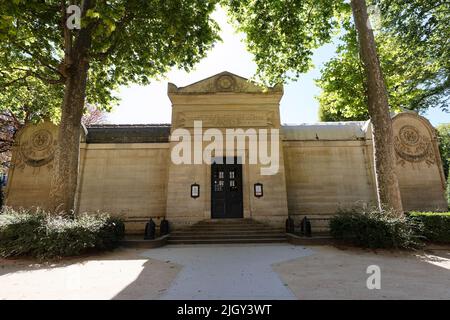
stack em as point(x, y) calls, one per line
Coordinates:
point(225, 83)
point(412, 147)
point(37, 150)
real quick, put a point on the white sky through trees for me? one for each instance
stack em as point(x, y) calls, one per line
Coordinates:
point(150, 104)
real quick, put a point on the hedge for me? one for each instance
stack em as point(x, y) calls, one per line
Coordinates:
point(375, 229)
point(43, 235)
point(436, 225)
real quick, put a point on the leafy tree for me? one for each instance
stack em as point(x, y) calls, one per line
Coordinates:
point(443, 131)
point(118, 42)
point(401, 52)
point(282, 35)
point(448, 191)
point(388, 190)
point(423, 26)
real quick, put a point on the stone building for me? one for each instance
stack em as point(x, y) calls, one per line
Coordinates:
point(129, 170)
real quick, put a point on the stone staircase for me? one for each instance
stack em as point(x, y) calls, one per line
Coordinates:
point(227, 231)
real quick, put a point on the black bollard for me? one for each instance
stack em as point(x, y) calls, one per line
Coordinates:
point(308, 232)
point(150, 230)
point(290, 225)
point(164, 227)
point(303, 226)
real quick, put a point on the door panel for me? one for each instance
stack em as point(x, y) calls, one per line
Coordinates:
point(226, 190)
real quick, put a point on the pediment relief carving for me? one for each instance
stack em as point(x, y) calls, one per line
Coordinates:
point(222, 83)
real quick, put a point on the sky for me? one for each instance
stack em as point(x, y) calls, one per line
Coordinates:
point(150, 104)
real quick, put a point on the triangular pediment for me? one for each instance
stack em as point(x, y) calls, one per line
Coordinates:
point(222, 83)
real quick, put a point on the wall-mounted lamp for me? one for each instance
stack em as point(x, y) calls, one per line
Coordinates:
point(258, 190)
point(195, 190)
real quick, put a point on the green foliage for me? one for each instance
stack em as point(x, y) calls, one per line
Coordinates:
point(414, 61)
point(282, 34)
point(43, 235)
point(448, 191)
point(423, 25)
point(443, 132)
point(132, 42)
point(436, 225)
point(375, 229)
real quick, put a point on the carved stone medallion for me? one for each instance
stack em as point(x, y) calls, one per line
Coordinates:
point(410, 146)
point(225, 83)
point(37, 149)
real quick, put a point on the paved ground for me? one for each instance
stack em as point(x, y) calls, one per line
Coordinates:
point(228, 272)
point(122, 274)
point(231, 272)
point(330, 273)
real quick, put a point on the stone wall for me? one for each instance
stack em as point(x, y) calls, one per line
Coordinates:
point(419, 167)
point(128, 180)
point(330, 167)
point(32, 164)
point(220, 102)
point(323, 167)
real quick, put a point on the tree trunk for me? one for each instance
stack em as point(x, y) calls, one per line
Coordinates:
point(388, 191)
point(65, 174)
point(76, 66)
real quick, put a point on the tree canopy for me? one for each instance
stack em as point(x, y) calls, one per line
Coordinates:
point(283, 34)
point(413, 49)
point(117, 42)
point(443, 131)
point(132, 41)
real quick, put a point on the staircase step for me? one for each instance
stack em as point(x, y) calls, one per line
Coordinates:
point(226, 232)
point(228, 227)
point(230, 236)
point(225, 241)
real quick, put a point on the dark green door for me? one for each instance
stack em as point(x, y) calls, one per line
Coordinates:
point(226, 190)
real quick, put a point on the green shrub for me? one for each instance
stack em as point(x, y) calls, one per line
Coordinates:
point(448, 191)
point(436, 225)
point(375, 229)
point(39, 234)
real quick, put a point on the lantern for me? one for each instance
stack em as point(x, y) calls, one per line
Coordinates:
point(195, 190)
point(258, 190)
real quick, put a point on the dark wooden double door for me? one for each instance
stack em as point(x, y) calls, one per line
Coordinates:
point(226, 190)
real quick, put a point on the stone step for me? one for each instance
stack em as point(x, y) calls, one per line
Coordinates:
point(228, 221)
point(231, 226)
point(227, 231)
point(227, 236)
point(314, 240)
point(135, 241)
point(254, 228)
point(227, 241)
point(219, 232)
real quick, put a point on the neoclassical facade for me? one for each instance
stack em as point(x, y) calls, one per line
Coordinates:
point(129, 170)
